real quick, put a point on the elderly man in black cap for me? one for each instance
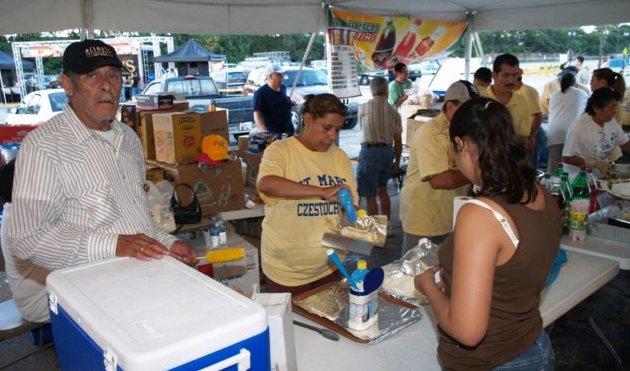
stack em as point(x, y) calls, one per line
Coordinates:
point(78, 193)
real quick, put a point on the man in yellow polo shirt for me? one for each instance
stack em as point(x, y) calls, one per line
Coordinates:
point(531, 95)
point(504, 73)
point(432, 182)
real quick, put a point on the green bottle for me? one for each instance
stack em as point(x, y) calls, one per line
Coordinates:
point(567, 195)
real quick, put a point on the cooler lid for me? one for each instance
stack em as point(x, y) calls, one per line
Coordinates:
point(154, 314)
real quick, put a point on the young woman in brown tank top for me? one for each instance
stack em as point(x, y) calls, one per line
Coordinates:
point(494, 265)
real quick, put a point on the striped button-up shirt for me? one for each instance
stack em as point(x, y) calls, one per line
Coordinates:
point(74, 193)
point(380, 121)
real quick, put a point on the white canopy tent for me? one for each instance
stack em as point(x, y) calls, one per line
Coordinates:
point(292, 16)
point(230, 17)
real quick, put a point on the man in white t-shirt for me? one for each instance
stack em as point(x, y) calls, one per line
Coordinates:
point(593, 138)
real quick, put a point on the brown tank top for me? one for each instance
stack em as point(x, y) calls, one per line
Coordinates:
point(515, 320)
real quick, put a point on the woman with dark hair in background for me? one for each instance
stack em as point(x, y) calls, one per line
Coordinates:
point(564, 108)
point(595, 138)
point(494, 265)
point(299, 179)
point(606, 78)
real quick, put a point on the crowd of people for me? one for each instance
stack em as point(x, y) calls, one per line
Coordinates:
point(78, 197)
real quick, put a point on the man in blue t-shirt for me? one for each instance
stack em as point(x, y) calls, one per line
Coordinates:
point(272, 108)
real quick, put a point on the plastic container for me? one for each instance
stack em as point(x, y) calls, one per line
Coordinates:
point(363, 310)
point(345, 199)
point(127, 314)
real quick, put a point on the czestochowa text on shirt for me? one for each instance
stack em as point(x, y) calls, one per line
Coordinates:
point(320, 208)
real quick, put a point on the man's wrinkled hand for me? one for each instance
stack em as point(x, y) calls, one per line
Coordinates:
point(184, 253)
point(139, 246)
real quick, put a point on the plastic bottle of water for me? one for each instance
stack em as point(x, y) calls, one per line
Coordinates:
point(220, 225)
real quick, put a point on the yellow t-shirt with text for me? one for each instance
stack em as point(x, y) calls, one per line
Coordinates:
point(519, 108)
point(425, 211)
point(291, 250)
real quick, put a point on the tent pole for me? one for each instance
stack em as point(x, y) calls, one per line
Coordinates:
point(4, 97)
point(470, 16)
point(87, 7)
point(602, 40)
point(299, 72)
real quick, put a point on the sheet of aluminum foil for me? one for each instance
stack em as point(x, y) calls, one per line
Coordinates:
point(372, 228)
point(391, 317)
point(400, 285)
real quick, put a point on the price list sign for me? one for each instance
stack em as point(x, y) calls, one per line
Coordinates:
point(342, 71)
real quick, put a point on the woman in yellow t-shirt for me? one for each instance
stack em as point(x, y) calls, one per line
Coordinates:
point(298, 179)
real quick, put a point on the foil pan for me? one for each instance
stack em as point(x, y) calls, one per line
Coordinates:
point(392, 317)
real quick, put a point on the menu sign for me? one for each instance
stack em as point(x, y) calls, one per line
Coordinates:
point(342, 71)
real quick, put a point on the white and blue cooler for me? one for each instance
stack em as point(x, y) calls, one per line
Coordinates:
point(127, 314)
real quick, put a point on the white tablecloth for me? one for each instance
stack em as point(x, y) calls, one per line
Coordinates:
point(608, 249)
point(415, 347)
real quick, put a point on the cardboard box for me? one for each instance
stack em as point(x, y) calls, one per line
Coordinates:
point(177, 136)
point(217, 188)
point(281, 339)
point(155, 174)
point(242, 275)
point(215, 122)
point(252, 160)
point(144, 127)
point(414, 122)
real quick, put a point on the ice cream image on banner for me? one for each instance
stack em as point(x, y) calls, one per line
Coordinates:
point(385, 45)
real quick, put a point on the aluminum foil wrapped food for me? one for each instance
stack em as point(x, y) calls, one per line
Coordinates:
point(401, 285)
point(370, 228)
point(333, 303)
point(420, 258)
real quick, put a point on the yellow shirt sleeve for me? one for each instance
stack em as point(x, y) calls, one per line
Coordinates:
point(534, 100)
point(431, 154)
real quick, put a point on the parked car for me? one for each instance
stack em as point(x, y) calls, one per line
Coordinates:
point(37, 107)
point(425, 67)
point(312, 81)
point(235, 78)
point(201, 91)
point(367, 76)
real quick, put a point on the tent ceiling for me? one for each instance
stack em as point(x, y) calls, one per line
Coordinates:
point(292, 16)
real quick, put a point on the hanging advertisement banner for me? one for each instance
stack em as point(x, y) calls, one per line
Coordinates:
point(379, 42)
point(56, 49)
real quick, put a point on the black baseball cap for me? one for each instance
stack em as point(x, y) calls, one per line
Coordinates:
point(85, 56)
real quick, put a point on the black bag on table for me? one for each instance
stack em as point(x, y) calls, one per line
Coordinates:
point(188, 214)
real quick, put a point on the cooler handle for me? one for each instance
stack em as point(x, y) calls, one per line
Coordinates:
point(242, 360)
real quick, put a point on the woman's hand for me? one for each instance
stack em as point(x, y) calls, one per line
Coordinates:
point(424, 281)
point(330, 193)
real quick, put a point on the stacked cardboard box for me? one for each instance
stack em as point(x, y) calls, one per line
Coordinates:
point(142, 123)
point(217, 188)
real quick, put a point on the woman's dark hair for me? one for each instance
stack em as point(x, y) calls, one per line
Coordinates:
point(600, 99)
point(614, 80)
point(319, 105)
point(566, 81)
point(503, 160)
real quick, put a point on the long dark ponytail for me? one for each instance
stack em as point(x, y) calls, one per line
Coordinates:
point(503, 160)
